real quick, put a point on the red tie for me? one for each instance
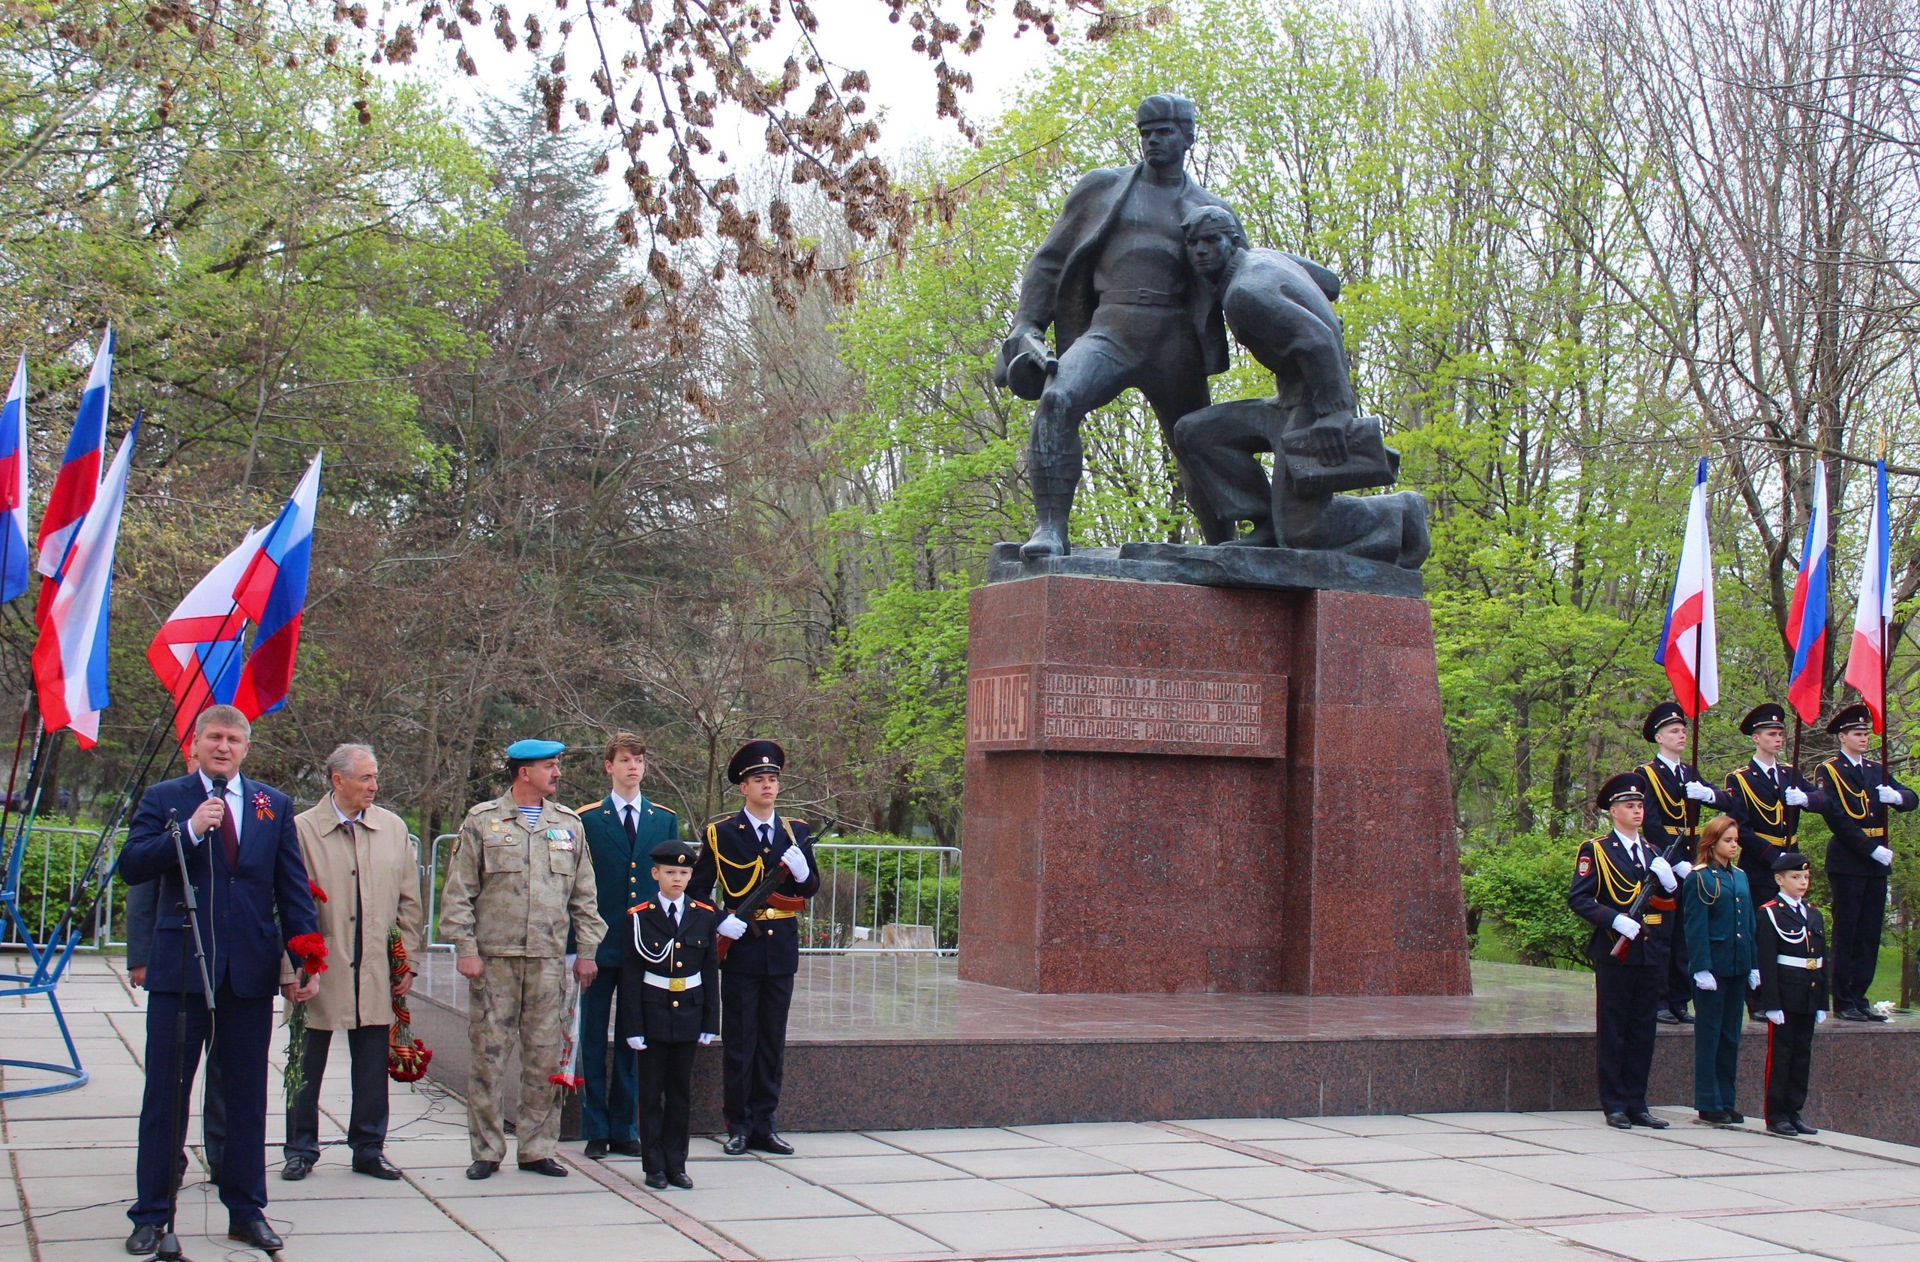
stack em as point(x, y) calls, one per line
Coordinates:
point(229, 836)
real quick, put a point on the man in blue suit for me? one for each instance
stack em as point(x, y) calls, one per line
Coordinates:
point(251, 888)
point(622, 830)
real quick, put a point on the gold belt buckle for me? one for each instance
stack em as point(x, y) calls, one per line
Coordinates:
point(676, 983)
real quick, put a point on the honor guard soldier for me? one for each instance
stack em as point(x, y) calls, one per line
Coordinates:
point(622, 829)
point(1765, 799)
point(517, 884)
point(1793, 991)
point(756, 976)
point(669, 1005)
point(1678, 794)
point(1608, 875)
point(1855, 793)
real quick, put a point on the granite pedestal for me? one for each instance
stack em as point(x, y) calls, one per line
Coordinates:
point(1175, 787)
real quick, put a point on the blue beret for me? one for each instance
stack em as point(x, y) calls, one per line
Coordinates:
point(530, 750)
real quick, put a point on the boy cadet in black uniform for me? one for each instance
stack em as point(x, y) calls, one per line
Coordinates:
point(1855, 792)
point(668, 1006)
point(1608, 873)
point(1765, 799)
point(1678, 794)
point(756, 980)
point(1793, 991)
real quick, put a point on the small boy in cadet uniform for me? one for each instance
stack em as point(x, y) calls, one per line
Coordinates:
point(668, 1006)
point(1678, 794)
point(1855, 792)
point(1608, 873)
point(1793, 991)
point(1765, 798)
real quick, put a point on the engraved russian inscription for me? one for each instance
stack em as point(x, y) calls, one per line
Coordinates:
point(1078, 705)
point(998, 706)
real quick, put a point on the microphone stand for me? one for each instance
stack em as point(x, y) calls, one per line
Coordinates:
point(169, 1248)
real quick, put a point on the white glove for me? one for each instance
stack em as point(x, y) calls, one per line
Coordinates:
point(706, 1040)
point(732, 927)
point(796, 861)
point(1753, 979)
point(1883, 856)
point(1776, 1016)
point(637, 1043)
point(1681, 869)
point(1889, 795)
point(1699, 792)
point(1706, 981)
point(1664, 870)
point(1626, 926)
point(1794, 797)
point(1819, 1016)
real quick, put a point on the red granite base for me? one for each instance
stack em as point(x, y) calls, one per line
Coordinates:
point(1182, 788)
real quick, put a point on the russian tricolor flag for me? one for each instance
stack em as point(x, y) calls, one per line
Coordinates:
point(1689, 645)
point(1807, 612)
point(70, 657)
point(273, 593)
point(78, 481)
point(1867, 662)
point(197, 652)
point(13, 488)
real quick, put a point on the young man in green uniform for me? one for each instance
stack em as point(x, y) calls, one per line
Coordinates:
point(622, 830)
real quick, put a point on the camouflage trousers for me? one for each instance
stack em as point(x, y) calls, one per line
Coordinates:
point(517, 1003)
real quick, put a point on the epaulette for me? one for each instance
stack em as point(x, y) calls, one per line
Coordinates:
point(568, 809)
point(582, 810)
point(1771, 902)
point(668, 809)
point(702, 906)
point(642, 907)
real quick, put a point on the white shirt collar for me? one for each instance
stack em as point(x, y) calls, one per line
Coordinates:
point(1851, 760)
point(342, 816)
point(675, 907)
point(1792, 902)
point(206, 783)
point(620, 804)
point(756, 821)
point(1628, 842)
point(1673, 764)
point(1765, 764)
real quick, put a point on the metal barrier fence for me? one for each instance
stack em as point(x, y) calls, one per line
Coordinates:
point(57, 857)
point(900, 899)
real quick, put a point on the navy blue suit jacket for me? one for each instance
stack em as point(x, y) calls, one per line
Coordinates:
point(243, 939)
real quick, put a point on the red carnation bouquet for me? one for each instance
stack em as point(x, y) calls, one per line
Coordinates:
point(311, 950)
point(407, 1056)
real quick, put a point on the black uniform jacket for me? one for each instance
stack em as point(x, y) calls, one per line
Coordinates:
point(1767, 824)
point(1782, 931)
point(731, 864)
point(1671, 811)
point(1850, 803)
point(661, 1014)
point(1606, 880)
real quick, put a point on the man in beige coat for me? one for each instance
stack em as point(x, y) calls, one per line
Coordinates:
point(362, 859)
point(520, 876)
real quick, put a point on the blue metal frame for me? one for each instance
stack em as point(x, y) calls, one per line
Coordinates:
point(49, 966)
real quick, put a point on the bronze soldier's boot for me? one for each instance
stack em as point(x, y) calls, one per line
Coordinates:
point(1054, 481)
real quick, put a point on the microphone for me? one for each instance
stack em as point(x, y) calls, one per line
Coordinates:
point(219, 787)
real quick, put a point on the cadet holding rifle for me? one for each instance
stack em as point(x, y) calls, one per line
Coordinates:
point(1678, 794)
point(1625, 888)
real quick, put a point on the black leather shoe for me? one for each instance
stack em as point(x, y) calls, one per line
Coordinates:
point(1620, 1121)
point(1683, 1016)
point(656, 1181)
point(296, 1169)
point(377, 1165)
point(1715, 1117)
point(482, 1169)
point(144, 1240)
point(1640, 1117)
point(547, 1166)
point(627, 1147)
point(596, 1149)
point(1800, 1126)
point(771, 1143)
point(1667, 1016)
point(1853, 1014)
point(1736, 1118)
point(735, 1145)
point(1758, 1018)
point(1783, 1128)
point(682, 1180)
point(256, 1235)
point(1870, 1015)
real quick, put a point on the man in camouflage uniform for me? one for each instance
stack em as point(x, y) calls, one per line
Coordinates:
point(518, 879)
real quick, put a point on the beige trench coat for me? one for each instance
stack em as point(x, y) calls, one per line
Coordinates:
point(380, 859)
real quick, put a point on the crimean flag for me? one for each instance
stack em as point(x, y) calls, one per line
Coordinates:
point(78, 481)
point(1807, 612)
point(1867, 662)
point(273, 594)
point(1689, 647)
point(197, 653)
point(70, 657)
point(13, 488)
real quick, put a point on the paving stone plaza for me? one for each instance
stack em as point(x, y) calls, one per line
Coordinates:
point(1521, 1187)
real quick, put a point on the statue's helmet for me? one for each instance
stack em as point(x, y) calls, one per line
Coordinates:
point(1165, 108)
point(1205, 219)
